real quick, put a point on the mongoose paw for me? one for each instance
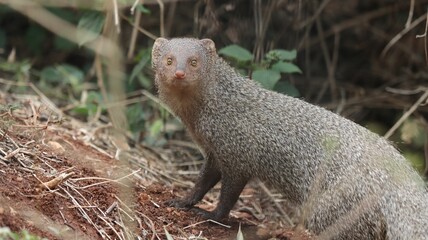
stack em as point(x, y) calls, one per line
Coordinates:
point(207, 214)
point(179, 203)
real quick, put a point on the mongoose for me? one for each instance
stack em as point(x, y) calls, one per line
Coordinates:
point(350, 182)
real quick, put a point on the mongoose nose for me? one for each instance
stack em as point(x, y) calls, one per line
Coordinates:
point(180, 74)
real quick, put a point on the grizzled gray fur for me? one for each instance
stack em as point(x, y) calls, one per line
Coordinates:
point(350, 183)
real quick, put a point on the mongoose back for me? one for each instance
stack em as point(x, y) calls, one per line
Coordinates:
point(351, 183)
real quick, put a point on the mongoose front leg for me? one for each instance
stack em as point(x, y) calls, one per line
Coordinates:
point(231, 188)
point(208, 177)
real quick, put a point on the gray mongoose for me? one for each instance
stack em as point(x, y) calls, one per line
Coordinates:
point(351, 183)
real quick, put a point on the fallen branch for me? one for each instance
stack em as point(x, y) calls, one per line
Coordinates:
point(52, 184)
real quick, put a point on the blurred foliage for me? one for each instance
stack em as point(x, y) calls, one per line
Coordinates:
point(270, 72)
point(143, 60)
point(412, 132)
point(62, 76)
point(64, 70)
point(6, 233)
point(413, 136)
point(73, 85)
point(19, 70)
point(91, 21)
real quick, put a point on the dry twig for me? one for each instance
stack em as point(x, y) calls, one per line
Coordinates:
point(55, 182)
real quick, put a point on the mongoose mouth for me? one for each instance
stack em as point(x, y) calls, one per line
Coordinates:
point(178, 82)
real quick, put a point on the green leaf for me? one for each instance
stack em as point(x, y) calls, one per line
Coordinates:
point(156, 128)
point(237, 52)
point(61, 43)
point(145, 58)
point(135, 115)
point(287, 88)
point(94, 97)
point(90, 106)
point(145, 81)
point(282, 54)
point(143, 9)
point(68, 15)
point(286, 67)
point(20, 67)
point(62, 74)
point(50, 75)
point(71, 74)
point(65, 75)
point(266, 77)
point(90, 21)
point(82, 110)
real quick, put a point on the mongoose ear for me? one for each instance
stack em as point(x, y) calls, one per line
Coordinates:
point(156, 50)
point(209, 45)
point(159, 41)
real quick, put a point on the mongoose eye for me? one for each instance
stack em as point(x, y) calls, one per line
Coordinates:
point(193, 63)
point(169, 61)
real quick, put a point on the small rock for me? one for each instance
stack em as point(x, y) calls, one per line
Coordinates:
point(58, 148)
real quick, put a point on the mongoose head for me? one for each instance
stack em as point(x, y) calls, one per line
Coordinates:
point(181, 63)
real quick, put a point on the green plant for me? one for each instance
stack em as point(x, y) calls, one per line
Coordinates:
point(64, 76)
point(6, 233)
point(64, 71)
point(90, 104)
point(141, 70)
point(20, 70)
point(91, 21)
point(269, 72)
